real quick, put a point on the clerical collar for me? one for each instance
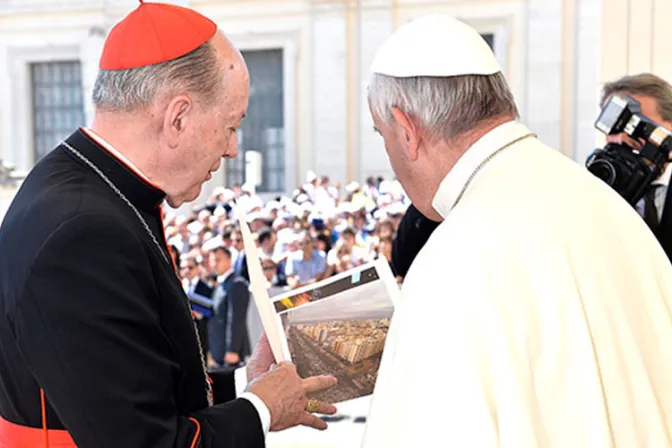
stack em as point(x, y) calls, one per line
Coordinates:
point(127, 178)
point(112, 150)
point(451, 186)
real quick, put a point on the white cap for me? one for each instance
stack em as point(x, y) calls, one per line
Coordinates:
point(248, 187)
point(195, 227)
point(273, 205)
point(212, 243)
point(352, 187)
point(437, 45)
point(379, 214)
point(218, 190)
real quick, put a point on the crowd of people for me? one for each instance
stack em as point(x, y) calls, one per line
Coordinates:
point(319, 231)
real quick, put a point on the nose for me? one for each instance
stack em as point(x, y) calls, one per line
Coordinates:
point(232, 150)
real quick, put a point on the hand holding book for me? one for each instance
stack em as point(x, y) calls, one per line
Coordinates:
point(283, 392)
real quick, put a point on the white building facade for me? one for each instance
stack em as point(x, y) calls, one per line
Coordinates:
point(309, 62)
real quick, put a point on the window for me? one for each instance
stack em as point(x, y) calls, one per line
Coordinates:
point(58, 105)
point(262, 131)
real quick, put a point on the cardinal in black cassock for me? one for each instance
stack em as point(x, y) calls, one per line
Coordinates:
point(97, 344)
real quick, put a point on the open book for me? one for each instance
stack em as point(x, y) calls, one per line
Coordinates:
point(337, 326)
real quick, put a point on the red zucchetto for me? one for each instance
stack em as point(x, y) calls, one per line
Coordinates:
point(154, 33)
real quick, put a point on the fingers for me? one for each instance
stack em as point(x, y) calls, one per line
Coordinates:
point(284, 365)
point(263, 341)
point(325, 408)
point(318, 383)
point(313, 421)
point(261, 359)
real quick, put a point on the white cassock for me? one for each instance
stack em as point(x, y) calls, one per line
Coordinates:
point(537, 315)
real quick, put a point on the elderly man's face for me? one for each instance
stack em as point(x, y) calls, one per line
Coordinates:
point(201, 134)
point(402, 152)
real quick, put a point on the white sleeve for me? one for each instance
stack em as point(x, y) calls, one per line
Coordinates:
point(262, 409)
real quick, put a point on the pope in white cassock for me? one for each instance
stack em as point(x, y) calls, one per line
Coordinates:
point(538, 314)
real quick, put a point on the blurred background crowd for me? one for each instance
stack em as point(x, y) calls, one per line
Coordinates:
point(319, 231)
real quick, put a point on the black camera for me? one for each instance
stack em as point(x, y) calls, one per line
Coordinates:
point(627, 170)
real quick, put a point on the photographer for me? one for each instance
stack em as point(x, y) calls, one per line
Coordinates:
point(655, 97)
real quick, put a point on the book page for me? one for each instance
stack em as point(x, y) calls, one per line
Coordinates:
point(339, 326)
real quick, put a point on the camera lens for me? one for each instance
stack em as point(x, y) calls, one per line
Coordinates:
point(604, 170)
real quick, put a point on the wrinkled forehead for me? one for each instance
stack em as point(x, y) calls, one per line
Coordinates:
point(236, 77)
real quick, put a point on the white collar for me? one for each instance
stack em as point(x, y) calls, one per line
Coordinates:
point(222, 278)
point(451, 186)
point(664, 178)
point(115, 152)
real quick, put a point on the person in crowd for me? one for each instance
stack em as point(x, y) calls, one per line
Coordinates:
point(97, 343)
point(357, 254)
point(385, 229)
point(545, 291)
point(266, 240)
point(654, 95)
point(384, 250)
point(269, 268)
point(340, 259)
point(229, 340)
point(306, 265)
point(239, 262)
point(323, 242)
point(194, 282)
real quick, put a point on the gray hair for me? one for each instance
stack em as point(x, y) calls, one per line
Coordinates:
point(645, 84)
point(197, 72)
point(445, 106)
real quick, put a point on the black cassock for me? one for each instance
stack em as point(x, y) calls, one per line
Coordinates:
point(92, 313)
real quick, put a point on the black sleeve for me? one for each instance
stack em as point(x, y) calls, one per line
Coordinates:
point(236, 326)
point(413, 232)
point(89, 328)
point(223, 384)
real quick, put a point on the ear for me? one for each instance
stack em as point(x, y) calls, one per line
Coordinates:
point(176, 118)
point(408, 132)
